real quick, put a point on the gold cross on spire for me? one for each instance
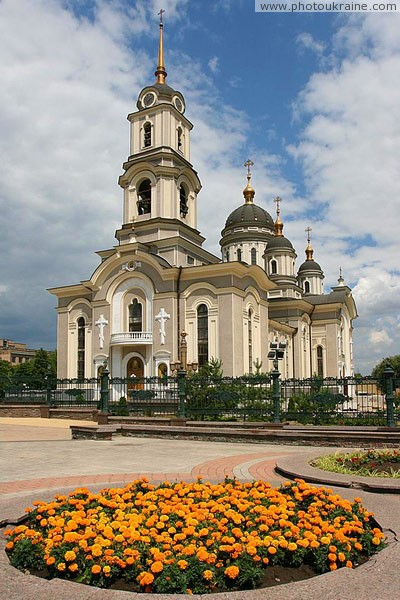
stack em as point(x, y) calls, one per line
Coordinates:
point(161, 73)
point(309, 250)
point(249, 163)
point(278, 222)
point(248, 191)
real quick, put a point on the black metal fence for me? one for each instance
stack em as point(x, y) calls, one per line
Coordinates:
point(348, 401)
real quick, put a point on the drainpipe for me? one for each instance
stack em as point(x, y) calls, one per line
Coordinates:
point(178, 297)
point(310, 336)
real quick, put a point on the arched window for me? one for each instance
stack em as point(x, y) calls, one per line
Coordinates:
point(179, 139)
point(202, 335)
point(307, 287)
point(320, 362)
point(239, 254)
point(250, 338)
point(147, 135)
point(144, 195)
point(81, 348)
point(135, 316)
point(274, 267)
point(183, 205)
point(253, 256)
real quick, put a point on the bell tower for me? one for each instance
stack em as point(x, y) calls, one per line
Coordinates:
point(159, 182)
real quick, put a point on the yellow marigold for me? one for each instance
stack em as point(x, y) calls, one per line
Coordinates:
point(61, 566)
point(208, 575)
point(73, 567)
point(106, 569)
point(156, 567)
point(333, 566)
point(232, 572)
point(376, 541)
point(96, 569)
point(69, 556)
point(292, 546)
point(341, 556)
point(182, 564)
point(96, 550)
point(271, 550)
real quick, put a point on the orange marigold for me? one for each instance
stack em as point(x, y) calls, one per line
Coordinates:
point(145, 578)
point(157, 566)
point(232, 572)
point(96, 569)
point(208, 575)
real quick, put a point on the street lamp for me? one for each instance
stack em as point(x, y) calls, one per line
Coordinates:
point(276, 353)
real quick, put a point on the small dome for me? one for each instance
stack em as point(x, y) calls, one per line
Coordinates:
point(250, 214)
point(310, 265)
point(279, 241)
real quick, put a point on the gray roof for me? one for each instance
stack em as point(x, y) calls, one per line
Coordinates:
point(279, 241)
point(250, 214)
point(310, 265)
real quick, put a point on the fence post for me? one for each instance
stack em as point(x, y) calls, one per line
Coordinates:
point(389, 376)
point(276, 392)
point(104, 390)
point(182, 393)
point(48, 387)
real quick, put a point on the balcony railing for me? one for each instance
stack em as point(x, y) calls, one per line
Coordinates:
point(131, 337)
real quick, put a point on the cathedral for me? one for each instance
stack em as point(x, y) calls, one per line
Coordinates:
point(159, 281)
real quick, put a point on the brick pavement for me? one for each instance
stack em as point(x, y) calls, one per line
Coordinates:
point(35, 473)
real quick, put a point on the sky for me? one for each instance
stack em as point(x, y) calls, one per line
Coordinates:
point(312, 99)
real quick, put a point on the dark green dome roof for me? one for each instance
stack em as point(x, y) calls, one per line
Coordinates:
point(310, 265)
point(279, 241)
point(250, 214)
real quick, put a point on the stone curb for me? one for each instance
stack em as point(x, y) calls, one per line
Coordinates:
point(300, 467)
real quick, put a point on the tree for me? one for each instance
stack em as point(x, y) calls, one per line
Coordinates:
point(390, 361)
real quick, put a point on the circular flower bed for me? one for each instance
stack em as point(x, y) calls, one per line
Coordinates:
point(367, 463)
point(192, 537)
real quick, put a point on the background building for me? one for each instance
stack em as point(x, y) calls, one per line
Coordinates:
point(15, 353)
point(160, 280)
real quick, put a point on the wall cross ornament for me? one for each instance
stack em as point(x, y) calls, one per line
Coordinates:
point(162, 318)
point(101, 323)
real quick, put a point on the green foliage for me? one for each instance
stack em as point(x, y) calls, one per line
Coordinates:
point(320, 405)
point(389, 361)
point(364, 463)
point(213, 368)
point(27, 554)
point(122, 408)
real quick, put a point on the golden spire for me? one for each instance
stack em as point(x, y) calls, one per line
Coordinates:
point(248, 191)
point(278, 222)
point(161, 73)
point(309, 250)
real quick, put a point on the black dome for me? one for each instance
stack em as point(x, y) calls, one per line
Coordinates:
point(279, 241)
point(310, 265)
point(250, 214)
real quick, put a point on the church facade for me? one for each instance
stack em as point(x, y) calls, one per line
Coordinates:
point(159, 280)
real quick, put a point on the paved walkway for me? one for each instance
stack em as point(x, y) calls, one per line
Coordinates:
point(38, 459)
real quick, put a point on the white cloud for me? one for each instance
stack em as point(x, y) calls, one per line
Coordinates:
point(213, 64)
point(348, 149)
point(380, 337)
point(307, 41)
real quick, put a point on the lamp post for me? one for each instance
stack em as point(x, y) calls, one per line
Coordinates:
point(389, 376)
point(104, 388)
point(276, 353)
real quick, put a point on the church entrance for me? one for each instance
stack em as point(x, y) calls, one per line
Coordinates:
point(135, 370)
